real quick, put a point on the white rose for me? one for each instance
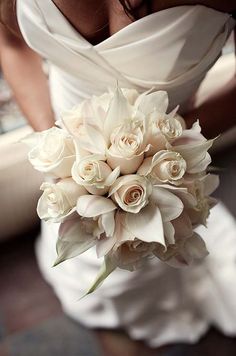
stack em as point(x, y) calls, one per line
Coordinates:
point(164, 166)
point(200, 189)
point(54, 153)
point(59, 200)
point(128, 144)
point(94, 174)
point(184, 252)
point(131, 192)
point(170, 127)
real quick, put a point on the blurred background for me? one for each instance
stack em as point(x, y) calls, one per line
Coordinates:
point(29, 312)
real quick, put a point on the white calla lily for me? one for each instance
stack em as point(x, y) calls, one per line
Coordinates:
point(73, 240)
point(169, 204)
point(147, 225)
point(91, 206)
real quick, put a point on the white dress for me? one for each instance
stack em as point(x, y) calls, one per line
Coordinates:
point(171, 50)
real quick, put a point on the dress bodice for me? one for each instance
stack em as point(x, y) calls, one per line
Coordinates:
point(170, 50)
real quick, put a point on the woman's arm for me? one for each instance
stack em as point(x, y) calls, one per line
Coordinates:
point(22, 69)
point(218, 112)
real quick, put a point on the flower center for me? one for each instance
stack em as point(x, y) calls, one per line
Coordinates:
point(133, 195)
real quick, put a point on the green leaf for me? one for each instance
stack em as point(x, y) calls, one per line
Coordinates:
point(108, 266)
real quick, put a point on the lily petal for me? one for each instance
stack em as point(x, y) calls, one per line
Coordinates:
point(73, 240)
point(169, 232)
point(169, 204)
point(104, 246)
point(118, 111)
point(96, 140)
point(147, 225)
point(94, 205)
point(157, 100)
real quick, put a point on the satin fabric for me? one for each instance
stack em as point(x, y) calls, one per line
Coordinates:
point(171, 50)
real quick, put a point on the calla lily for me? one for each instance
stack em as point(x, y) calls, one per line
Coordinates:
point(148, 225)
point(169, 204)
point(119, 110)
point(90, 206)
point(148, 102)
point(193, 147)
point(73, 240)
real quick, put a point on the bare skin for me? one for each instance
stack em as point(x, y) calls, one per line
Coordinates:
point(109, 16)
point(20, 64)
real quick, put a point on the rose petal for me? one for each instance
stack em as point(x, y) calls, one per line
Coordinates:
point(127, 165)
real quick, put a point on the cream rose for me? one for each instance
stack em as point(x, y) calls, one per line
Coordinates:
point(164, 166)
point(128, 144)
point(94, 174)
point(170, 127)
point(200, 189)
point(131, 192)
point(54, 153)
point(59, 200)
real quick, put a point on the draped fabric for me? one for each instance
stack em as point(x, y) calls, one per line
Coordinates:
point(172, 50)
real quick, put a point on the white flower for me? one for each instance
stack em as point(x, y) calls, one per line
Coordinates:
point(131, 255)
point(58, 200)
point(54, 153)
point(102, 210)
point(170, 127)
point(77, 235)
point(94, 174)
point(184, 252)
point(200, 189)
point(89, 112)
point(165, 128)
point(193, 147)
point(131, 192)
point(128, 144)
point(146, 212)
point(164, 166)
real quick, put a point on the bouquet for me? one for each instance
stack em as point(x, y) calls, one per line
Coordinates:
point(128, 179)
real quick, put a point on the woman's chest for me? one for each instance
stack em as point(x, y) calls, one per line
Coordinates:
point(97, 21)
